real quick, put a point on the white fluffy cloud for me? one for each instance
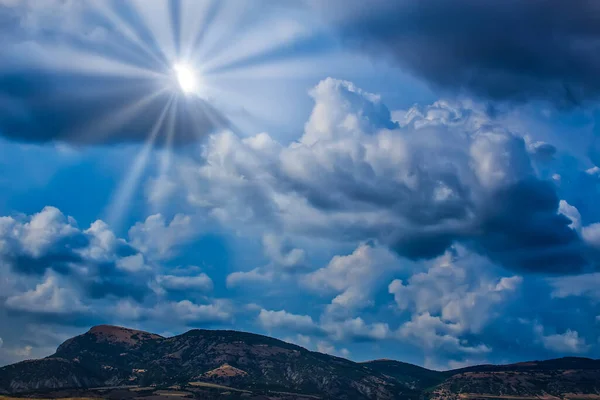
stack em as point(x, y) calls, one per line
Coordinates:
point(335, 329)
point(327, 348)
point(282, 319)
point(435, 336)
point(355, 329)
point(252, 277)
point(354, 277)
point(281, 253)
point(450, 304)
point(37, 234)
point(54, 270)
point(568, 342)
point(175, 313)
point(458, 289)
point(441, 174)
point(48, 297)
point(158, 237)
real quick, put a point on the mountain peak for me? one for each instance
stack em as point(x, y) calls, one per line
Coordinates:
point(118, 334)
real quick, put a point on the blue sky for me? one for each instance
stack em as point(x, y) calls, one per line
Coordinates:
point(394, 181)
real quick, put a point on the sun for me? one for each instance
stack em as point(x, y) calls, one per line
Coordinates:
point(186, 77)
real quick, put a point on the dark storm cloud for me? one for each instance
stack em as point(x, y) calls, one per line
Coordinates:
point(524, 231)
point(509, 50)
point(41, 106)
point(518, 227)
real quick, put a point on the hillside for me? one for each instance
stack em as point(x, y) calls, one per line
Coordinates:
point(565, 378)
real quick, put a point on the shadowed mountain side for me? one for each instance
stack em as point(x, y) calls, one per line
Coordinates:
point(247, 364)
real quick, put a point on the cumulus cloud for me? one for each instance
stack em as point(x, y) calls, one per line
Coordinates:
point(93, 259)
point(434, 335)
point(458, 289)
point(336, 329)
point(252, 277)
point(55, 270)
point(159, 238)
point(283, 319)
point(355, 329)
point(442, 174)
point(327, 348)
point(191, 313)
point(283, 260)
point(299, 339)
point(511, 50)
point(46, 238)
point(566, 343)
point(451, 304)
point(48, 297)
point(352, 278)
point(182, 313)
point(281, 252)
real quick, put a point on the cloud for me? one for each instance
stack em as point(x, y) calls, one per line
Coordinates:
point(541, 151)
point(591, 234)
point(182, 313)
point(355, 329)
point(587, 285)
point(72, 76)
point(455, 306)
point(200, 282)
point(568, 342)
point(191, 313)
point(457, 288)
point(48, 297)
point(442, 174)
point(158, 237)
point(46, 239)
point(510, 50)
point(94, 260)
point(254, 276)
point(299, 339)
point(281, 253)
point(327, 348)
point(96, 268)
point(435, 336)
point(352, 329)
point(282, 319)
point(352, 278)
point(284, 261)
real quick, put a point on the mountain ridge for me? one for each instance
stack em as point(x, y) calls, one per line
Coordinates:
point(109, 356)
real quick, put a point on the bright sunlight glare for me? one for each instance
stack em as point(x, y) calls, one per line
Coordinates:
point(186, 78)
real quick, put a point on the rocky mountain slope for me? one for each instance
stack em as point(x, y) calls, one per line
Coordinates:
point(570, 377)
point(245, 364)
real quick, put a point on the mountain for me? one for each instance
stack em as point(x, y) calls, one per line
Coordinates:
point(568, 378)
point(114, 356)
point(409, 375)
point(115, 362)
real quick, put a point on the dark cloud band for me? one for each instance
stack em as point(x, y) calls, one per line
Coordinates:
point(509, 50)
